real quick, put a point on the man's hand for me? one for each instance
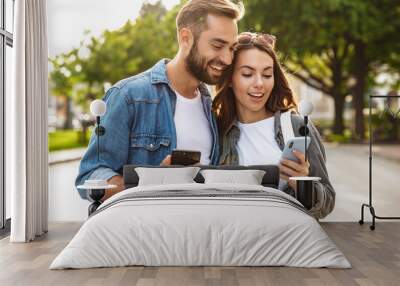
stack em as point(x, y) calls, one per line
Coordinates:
point(290, 168)
point(166, 161)
point(119, 182)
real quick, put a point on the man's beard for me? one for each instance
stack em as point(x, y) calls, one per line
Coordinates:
point(197, 66)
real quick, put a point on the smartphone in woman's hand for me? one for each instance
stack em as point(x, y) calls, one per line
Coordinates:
point(297, 143)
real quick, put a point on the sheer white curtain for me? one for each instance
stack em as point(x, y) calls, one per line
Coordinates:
point(28, 148)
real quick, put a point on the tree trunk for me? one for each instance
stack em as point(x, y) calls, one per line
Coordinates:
point(68, 114)
point(338, 126)
point(337, 94)
point(360, 73)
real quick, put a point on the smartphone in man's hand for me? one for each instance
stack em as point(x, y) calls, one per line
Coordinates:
point(185, 157)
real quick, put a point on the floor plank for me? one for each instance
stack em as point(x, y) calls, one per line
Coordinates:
point(375, 256)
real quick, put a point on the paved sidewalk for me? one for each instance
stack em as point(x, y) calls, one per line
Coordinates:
point(347, 166)
point(385, 151)
point(64, 156)
point(391, 152)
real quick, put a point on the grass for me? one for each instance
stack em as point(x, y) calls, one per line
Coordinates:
point(325, 128)
point(66, 139)
point(345, 138)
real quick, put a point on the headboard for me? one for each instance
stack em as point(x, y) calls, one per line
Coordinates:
point(270, 179)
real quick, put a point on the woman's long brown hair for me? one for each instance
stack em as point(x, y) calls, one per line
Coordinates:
point(281, 97)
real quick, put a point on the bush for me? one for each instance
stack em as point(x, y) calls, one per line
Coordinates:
point(340, 138)
point(66, 139)
point(385, 127)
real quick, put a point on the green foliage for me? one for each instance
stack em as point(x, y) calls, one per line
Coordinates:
point(328, 43)
point(385, 127)
point(65, 139)
point(340, 138)
point(65, 72)
point(84, 73)
point(326, 27)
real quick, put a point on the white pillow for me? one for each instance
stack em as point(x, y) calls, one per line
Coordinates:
point(248, 177)
point(166, 176)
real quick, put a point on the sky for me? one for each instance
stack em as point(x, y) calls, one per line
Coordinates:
point(68, 19)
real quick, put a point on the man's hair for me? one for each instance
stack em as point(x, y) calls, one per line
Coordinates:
point(193, 14)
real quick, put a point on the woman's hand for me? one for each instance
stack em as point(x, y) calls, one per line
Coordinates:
point(290, 168)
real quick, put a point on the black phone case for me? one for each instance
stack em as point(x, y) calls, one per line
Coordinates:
point(185, 158)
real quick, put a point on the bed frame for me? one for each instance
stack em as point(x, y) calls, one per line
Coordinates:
point(131, 178)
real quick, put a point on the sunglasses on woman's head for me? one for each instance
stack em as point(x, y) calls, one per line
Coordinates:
point(247, 38)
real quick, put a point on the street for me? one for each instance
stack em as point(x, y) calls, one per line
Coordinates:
point(347, 167)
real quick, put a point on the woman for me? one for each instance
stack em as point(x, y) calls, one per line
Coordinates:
point(248, 107)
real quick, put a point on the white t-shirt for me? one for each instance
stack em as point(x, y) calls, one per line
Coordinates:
point(257, 144)
point(193, 130)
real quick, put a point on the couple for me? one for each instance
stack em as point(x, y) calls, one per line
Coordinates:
point(169, 106)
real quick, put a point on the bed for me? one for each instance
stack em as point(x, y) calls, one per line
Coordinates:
point(201, 224)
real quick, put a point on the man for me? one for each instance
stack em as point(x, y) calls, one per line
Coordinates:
point(167, 107)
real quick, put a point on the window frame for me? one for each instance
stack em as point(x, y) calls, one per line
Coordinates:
point(6, 39)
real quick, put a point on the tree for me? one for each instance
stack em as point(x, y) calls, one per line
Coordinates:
point(63, 77)
point(102, 61)
point(156, 9)
point(330, 45)
point(373, 38)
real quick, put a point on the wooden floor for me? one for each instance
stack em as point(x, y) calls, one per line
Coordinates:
point(375, 256)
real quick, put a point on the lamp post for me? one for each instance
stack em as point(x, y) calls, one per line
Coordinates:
point(305, 109)
point(305, 185)
point(96, 189)
point(98, 108)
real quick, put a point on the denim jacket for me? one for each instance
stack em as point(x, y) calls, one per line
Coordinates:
point(316, 156)
point(139, 125)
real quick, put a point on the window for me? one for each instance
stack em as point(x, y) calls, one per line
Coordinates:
point(9, 19)
point(6, 43)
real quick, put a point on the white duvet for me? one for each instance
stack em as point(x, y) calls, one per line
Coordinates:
point(185, 230)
